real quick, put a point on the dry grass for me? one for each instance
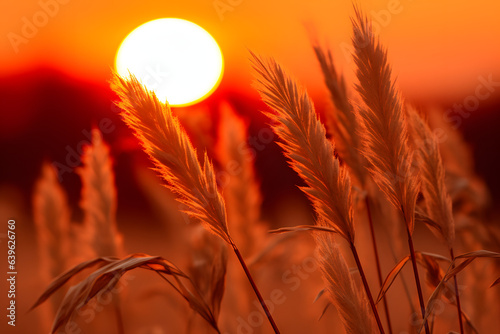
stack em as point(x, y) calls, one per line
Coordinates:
point(438, 202)
point(352, 307)
point(208, 268)
point(385, 132)
point(346, 130)
point(241, 190)
point(98, 199)
point(384, 127)
point(173, 155)
point(106, 277)
point(305, 144)
point(341, 120)
point(380, 134)
point(52, 218)
point(175, 158)
point(311, 156)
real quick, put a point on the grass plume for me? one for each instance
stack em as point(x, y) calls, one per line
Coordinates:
point(310, 155)
point(340, 286)
point(385, 131)
point(384, 128)
point(241, 188)
point(438, 201)
point(344, 127)
point(341, 121)
point(173, 155)
point(305, 144)
point(432, 173)
point(169, 148)
point(51, 217)
point(98, 200)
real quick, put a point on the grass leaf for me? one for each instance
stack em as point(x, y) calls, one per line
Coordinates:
point(391, 277)
point(301, 228)
point(105, 278)
point(65, 277)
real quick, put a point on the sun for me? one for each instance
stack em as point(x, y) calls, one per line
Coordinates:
point(177, 59)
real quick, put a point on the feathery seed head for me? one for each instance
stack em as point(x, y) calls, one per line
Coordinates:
point(350, 304)
point(305, 144)
point(437, 199)
point(383, 122)
point(173, 155)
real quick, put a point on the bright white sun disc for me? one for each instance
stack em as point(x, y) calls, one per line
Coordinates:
point(177, 59)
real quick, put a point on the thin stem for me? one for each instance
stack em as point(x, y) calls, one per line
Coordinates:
point(367, 288)
point(402, 276)
point(459, 308)
point(377, 261)
point(417, 279)
point(255, 289)
point(433, 318)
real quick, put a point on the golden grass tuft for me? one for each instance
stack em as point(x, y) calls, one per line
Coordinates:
point(311, 156)
point(305, 144)
point(208, 267)
point(383, 122)
point(341, 120)
point(173, 155)
point(350, 304)
point(169, 148)
point(241, 190)
point(98, 199)
point(438, 202)
point(52, 218)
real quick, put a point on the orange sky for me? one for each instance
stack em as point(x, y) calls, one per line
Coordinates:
point(437, 48)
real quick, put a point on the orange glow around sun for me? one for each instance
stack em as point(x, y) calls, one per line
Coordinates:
point(438, 49)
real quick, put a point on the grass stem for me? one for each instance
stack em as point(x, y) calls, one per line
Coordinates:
point(457, 295)
point(417, 279)
point(255, 289)
point(367, 288)
point(377, 261)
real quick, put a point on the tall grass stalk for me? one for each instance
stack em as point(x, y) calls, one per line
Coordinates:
point(377, 261)
point(174, 157)
point(98, 202)
point(342, 125)
point(438, 202)
point(51, 217)
point(99, 199)
point(385, 133)
point(310, 154)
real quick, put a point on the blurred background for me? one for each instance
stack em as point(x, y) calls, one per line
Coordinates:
point(54, 81)
point(57, 58)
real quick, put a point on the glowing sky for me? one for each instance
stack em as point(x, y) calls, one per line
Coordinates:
point(438, 48)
